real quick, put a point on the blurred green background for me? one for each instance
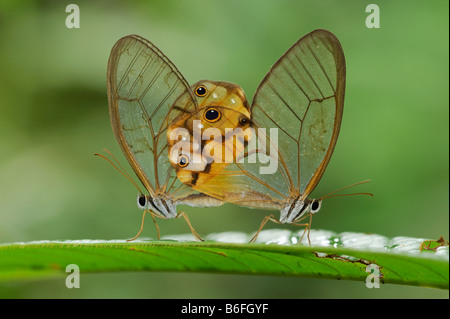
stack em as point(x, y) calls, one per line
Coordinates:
point(54, 117)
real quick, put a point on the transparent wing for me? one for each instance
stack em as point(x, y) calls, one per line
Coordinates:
point(303, 97)
point(145, 93)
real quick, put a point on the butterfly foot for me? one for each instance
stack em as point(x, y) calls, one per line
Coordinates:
point(194, 232)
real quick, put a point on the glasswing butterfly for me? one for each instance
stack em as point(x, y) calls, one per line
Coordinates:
point(146, 93)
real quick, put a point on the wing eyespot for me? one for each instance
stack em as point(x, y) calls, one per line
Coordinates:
point(183, 161)
point(212, 115)
point(201, 91)
point(244, 121)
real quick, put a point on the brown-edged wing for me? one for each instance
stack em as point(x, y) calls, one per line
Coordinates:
point(143, 86)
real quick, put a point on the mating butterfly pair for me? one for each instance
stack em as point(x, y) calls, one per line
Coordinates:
point(154, 114)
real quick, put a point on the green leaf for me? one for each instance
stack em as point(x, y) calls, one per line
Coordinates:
point(347, 256)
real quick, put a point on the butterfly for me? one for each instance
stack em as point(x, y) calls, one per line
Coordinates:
point(300, 101)
point(146, 93)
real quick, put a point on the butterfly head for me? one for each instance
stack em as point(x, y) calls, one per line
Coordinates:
point(160, 205)
point(296, 209)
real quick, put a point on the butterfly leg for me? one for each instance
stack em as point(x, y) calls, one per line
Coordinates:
point(142, 225)
point(264, 222)
point(307, 228)
point(183, 214)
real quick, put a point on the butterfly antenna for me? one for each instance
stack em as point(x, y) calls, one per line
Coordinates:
point(343, 188)
point(117, 161)
point(120, 168)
